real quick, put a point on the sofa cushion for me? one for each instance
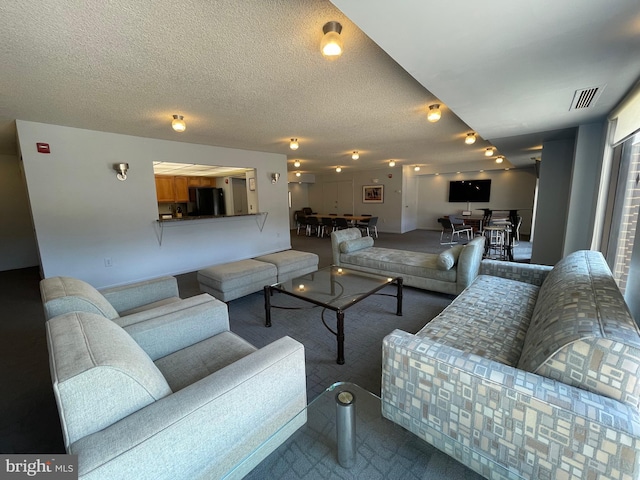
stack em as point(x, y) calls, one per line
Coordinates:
point(448, 258)
point(582, 333)
point(64, 294)
point(100, 374)
point(400, 262)
point(349, 246)
point(489, 319)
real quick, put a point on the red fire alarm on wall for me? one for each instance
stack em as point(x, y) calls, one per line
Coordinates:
point(43, 148)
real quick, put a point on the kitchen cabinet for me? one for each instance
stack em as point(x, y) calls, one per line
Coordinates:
point(181, 189)
point(165, 189)
point(201, 181)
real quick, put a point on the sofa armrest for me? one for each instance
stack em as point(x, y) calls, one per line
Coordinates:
point(178, 325)
point(208, 428)
point(522, 272)
point(134, 295)
point(478, 408)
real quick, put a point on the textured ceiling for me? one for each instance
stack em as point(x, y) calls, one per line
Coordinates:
point(250, 75)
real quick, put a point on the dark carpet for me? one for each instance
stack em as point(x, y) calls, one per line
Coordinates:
point(29, 419)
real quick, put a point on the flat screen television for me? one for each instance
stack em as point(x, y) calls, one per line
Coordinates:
point(469, 190)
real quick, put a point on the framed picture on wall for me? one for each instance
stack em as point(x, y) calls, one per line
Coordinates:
point(252, 183)
point(373, 194)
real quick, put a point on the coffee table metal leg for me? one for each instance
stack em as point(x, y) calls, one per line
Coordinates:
point(399, 281)
point(340, 336)
point(267, 305)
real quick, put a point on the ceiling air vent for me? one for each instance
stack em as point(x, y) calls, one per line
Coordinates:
point(586, 97)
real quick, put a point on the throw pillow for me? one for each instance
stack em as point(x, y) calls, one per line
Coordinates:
point(448, 258)
point(349, 246)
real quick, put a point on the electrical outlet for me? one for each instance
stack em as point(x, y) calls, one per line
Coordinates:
point(108, 262)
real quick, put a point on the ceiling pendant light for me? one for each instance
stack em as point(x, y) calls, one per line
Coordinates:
point(488, 152)
point(355, 155)
point(500, 159)
point(434, 113)
point(294, 144)
point(470, 139)
point(178, 123)
point(296, 163)
point(392, 163)
point(331, 45)
point(338, 169)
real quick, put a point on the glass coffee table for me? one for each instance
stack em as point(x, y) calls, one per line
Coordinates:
point(334, 288)
point(383, 449)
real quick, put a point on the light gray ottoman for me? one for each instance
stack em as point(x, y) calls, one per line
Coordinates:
point(291, 263)
point(229, 281)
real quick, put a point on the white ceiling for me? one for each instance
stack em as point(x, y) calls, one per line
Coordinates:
point(250, 75)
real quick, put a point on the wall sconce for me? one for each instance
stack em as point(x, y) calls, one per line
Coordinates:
point(434, 113)
point(294, 144)
point(122, 169)
point(470, 139)
point(392, 163)
point(331, 45)
point(355, 155)
point(275, 177)
point(178, 123)
point(488, 152)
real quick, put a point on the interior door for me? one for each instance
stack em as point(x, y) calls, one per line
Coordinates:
point(337, 197)
point(330, 197)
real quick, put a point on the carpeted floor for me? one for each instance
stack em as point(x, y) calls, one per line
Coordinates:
point(29, 418)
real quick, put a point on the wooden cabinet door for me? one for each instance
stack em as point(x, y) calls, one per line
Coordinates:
point(193, 181)
point(207, 182)
point(181, 185)
point(165, 189)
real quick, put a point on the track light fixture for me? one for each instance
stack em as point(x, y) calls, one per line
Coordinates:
point(122, 169)
point(434, 113)
point(178, 123)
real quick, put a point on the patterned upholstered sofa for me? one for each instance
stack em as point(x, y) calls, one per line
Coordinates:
point(531, 372)
point(448, 272)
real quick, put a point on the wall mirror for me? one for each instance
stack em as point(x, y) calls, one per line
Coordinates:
point(203, 190)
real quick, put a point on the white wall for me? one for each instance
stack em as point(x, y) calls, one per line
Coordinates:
point(82, 214)
point(388, 212)
point(513, 189)
point(17, 241)
point(299, 199)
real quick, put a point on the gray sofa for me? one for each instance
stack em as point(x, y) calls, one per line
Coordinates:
point(173, 396)
point(531, 372)
point(448, 272)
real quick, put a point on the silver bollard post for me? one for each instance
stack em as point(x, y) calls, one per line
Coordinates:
point(346, 428)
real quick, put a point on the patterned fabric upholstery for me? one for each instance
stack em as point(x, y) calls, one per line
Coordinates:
point(582, 333)
point(490, 319)
point(531, 372)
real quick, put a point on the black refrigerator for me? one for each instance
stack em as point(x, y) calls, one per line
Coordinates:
point(207, 201)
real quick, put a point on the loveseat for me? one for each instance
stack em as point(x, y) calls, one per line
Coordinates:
point(448, 272)
point(170, 397)
point(532, 372)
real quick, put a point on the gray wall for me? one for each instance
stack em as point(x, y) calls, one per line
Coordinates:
point(553, 197)
point(512, 189)
point(585, 181)
point(17, 241)
point(83, 215)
